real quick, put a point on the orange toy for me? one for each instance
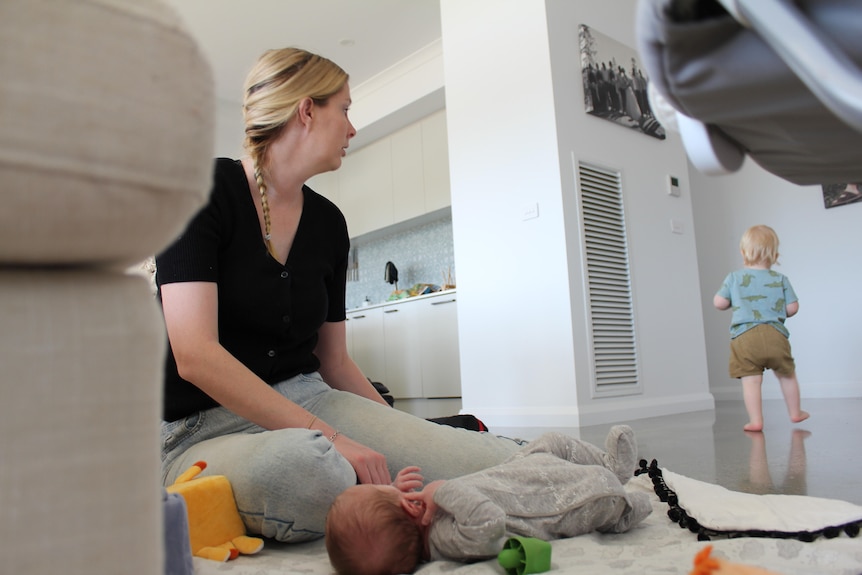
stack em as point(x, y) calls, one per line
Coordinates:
point(216, 530)
point(705, 564)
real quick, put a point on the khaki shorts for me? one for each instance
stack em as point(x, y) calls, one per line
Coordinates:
point(762, 347)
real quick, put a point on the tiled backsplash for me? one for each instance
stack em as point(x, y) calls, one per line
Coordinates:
point(423, 254)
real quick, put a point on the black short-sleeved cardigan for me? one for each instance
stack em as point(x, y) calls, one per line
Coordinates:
point(268, 313)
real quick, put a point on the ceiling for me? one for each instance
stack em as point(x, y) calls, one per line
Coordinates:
point(362, 36)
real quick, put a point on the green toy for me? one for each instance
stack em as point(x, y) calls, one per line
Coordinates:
point(525, 555)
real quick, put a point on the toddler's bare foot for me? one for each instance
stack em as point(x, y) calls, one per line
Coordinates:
point(803, 415)
point(753, 427)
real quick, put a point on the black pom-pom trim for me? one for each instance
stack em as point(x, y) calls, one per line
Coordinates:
point(679, 516)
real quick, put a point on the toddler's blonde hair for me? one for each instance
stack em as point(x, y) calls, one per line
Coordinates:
point(759, 246)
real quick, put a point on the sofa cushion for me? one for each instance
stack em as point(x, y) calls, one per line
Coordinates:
point(106, 130)
point(80, 480)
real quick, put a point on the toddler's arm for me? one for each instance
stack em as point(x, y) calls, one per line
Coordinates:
point(791, 309)
point(722, 303)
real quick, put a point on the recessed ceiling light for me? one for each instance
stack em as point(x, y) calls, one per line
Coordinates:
point(346, 42)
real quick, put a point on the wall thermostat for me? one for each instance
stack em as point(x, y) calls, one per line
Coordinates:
point(673, 186)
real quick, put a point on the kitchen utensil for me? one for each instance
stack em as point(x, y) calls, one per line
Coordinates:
point(390, 274)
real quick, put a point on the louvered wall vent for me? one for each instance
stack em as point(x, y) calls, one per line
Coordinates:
point(612, 330)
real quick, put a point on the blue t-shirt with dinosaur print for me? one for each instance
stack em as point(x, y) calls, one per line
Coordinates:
point(757, 296)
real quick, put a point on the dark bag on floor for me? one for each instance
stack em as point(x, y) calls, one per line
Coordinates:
point(465, 421)
point(383, 391)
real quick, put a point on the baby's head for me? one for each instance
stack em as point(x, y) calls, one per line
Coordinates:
point(368, 532)
point(759, 246)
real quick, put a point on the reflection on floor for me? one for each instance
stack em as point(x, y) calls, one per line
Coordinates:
point(818, 457)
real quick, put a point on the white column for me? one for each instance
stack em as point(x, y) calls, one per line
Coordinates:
point(515, 326)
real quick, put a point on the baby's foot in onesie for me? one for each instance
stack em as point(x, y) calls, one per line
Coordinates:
point(638, 509)
point(622, 452)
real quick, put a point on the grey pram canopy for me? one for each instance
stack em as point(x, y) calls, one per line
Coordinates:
point(777, 80)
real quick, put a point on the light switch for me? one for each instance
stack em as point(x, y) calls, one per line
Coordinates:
point(676, 226)
point(673, 186)
point(530, 211)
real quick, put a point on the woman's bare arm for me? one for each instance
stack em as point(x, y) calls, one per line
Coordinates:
point(191, 317)
point(336, 366)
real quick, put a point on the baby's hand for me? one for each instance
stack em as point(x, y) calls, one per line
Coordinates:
point(408, 479)
point(425, 500)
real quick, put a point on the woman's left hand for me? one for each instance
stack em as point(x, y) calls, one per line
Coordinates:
point(370, 466)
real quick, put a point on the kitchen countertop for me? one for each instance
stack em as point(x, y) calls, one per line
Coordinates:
point(414, 298)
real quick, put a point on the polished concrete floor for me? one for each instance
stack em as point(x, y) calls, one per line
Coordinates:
point(819, 457)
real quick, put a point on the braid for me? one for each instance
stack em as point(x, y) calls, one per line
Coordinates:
point(264, 205)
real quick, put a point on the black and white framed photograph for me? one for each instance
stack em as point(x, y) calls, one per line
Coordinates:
point(835, 195)
point(615, 85)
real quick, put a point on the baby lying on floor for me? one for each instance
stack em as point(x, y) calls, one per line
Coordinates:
point(554, 487)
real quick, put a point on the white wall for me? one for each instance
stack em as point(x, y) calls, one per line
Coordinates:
point(516, 120)
point(517, 355)
point(229, 129)
point(663, 264)
point(819, 253)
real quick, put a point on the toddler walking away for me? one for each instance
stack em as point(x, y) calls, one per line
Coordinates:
point(554, 487)
point(761, 300)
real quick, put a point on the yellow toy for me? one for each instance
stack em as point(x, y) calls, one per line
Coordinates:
point(216, 530)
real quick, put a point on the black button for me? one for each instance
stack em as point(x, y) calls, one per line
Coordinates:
point(271, 353)
point(285, 319)
point(284, 275)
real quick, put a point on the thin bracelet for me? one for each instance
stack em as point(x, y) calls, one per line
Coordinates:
point(334, 436)
point(310, 423)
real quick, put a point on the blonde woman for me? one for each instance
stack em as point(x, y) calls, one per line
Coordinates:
point(258, 382)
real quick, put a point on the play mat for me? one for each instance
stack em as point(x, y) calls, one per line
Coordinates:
point(786, 534)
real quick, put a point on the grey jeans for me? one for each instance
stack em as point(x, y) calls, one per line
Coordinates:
point(285, 480)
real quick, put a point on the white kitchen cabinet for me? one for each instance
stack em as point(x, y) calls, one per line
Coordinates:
point(435, 161)
point(402, 350)
point(392, 180)
point(440, 362)
point(365, 188)
point(408, 176)
point(366, 326)
point(325, 184)
point(348, 335)
point(411, 346)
